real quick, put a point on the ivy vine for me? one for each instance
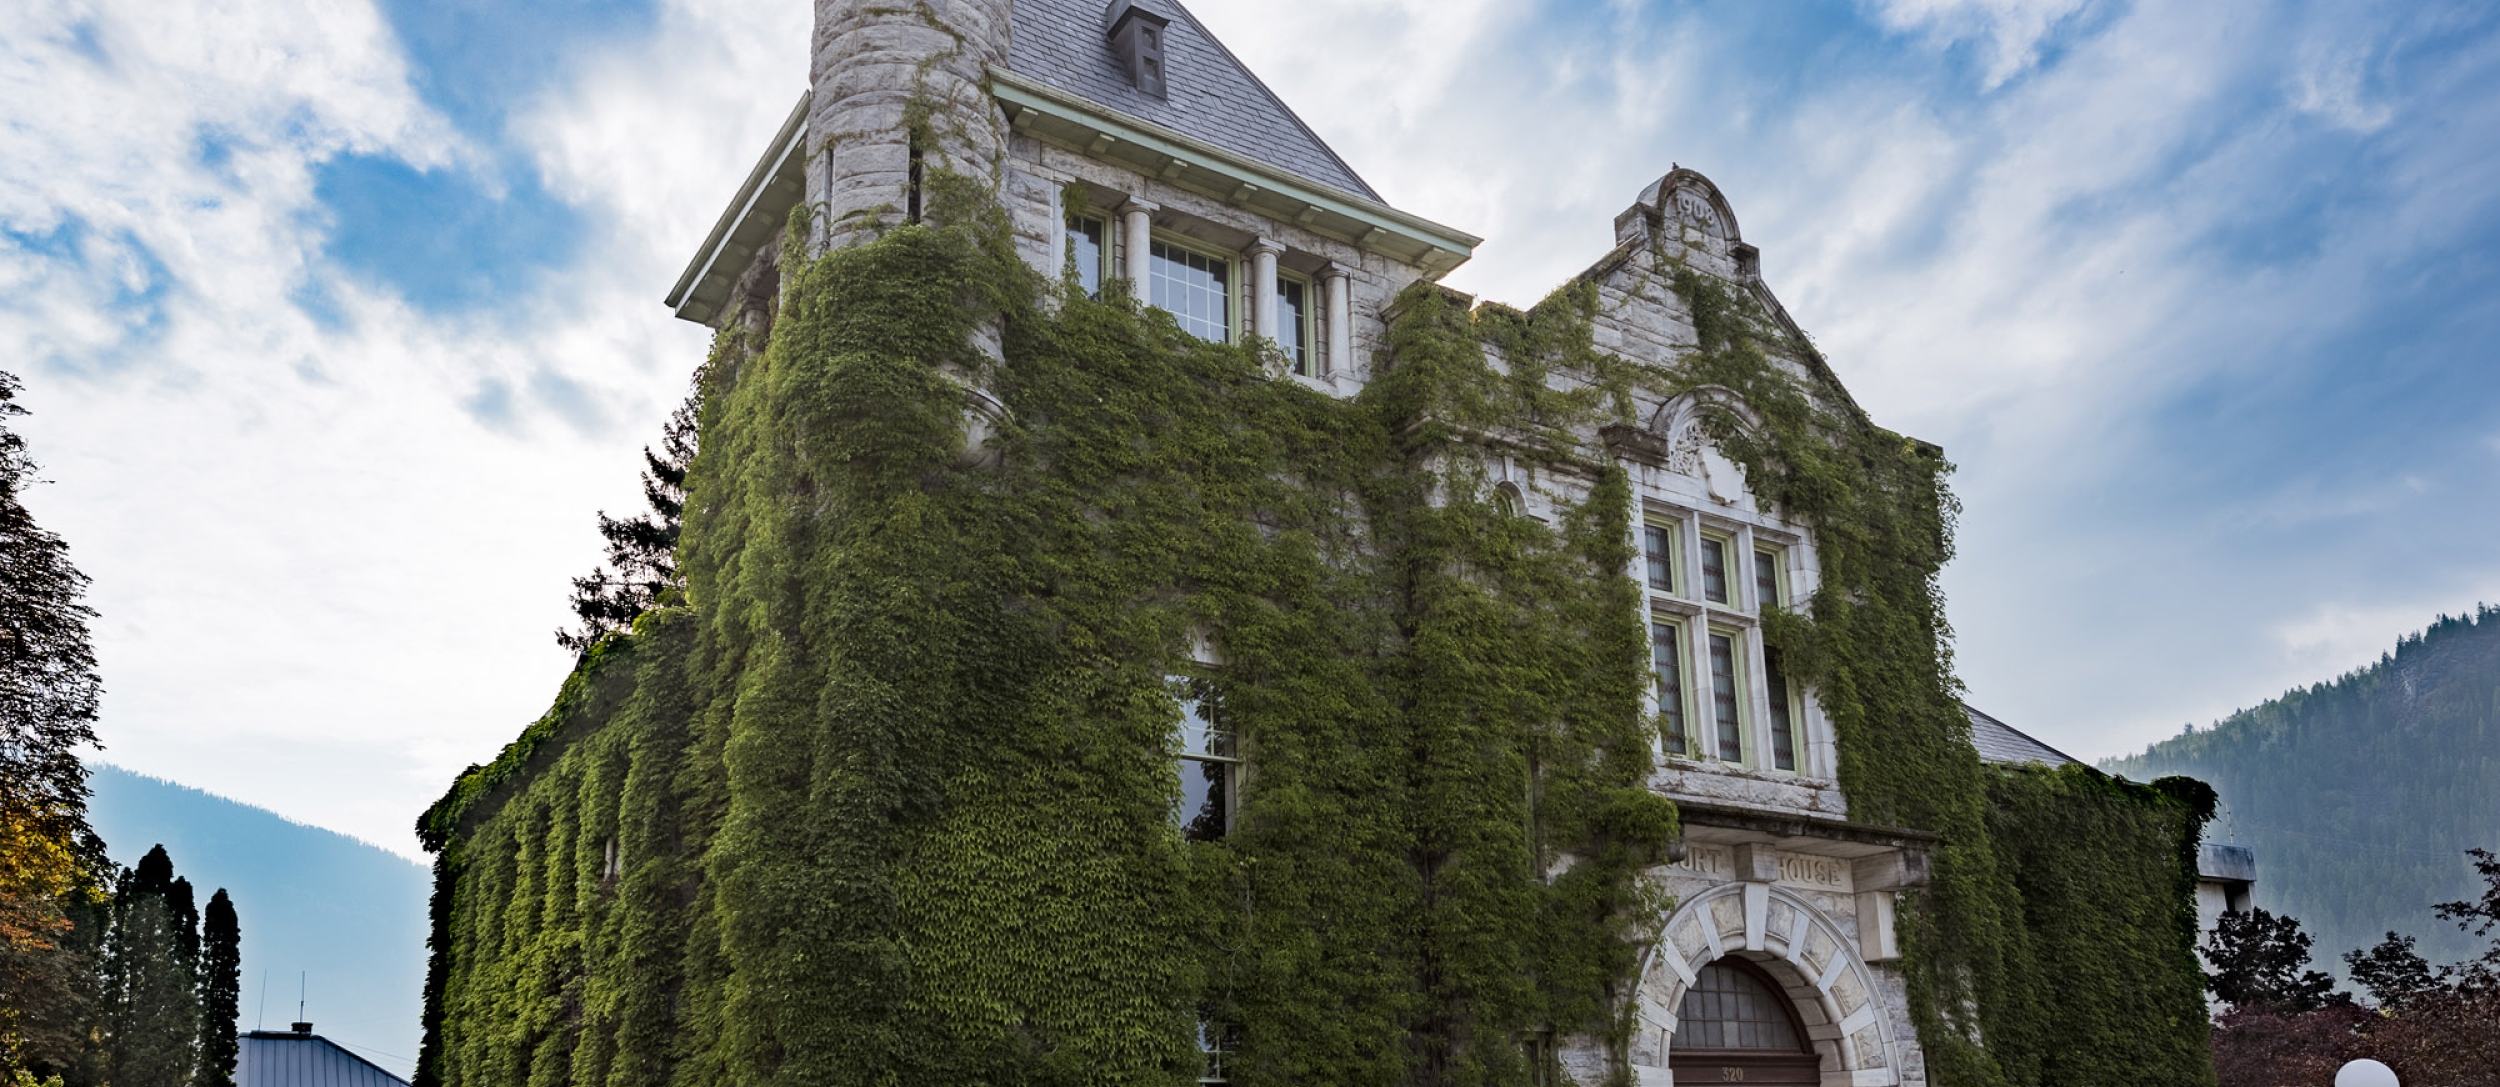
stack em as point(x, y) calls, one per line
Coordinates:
point(885, 797)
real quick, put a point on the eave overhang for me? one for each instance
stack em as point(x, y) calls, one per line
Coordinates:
point(752, 221)
point(1149, 149)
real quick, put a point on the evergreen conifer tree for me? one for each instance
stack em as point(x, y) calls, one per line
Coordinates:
point(152, 1021)
point(642, 550)
point(150, 981)
point(221, 992)
point(183, 914)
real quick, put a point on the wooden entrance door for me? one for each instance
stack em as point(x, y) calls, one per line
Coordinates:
point(1734, 1026)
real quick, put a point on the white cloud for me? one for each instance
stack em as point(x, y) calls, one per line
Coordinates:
point(2331, 83)
point(350, 569)
point(2012, 30)
point(325, 585)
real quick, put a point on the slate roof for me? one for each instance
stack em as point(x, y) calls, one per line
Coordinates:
point(271, 1058)
point(1061, 44)
point(2002, 743)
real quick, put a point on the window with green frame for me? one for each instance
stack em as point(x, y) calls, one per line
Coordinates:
point(1714, 552)
point(1666, 658)
point(1089, 251)
point(1658, 554)
point(1293, 314)
point(1727, 695)
point(1195, 287)
point(1770, 580)
point(1783, 712)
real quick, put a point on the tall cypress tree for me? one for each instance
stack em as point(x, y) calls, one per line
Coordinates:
point(183, 913)
point(153, 1020)
point(221, 992)
point(153, 876)
point(151, 983)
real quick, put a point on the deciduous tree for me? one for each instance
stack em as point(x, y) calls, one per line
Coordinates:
point(2261, 960)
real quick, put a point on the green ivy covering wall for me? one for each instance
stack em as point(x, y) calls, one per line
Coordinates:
point(888, 791)
point(2055, 944)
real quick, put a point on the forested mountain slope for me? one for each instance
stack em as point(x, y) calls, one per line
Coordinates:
point(323, 914)
point(2361, 795)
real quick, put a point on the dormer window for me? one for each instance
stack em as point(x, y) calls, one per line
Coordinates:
point(1137, 37)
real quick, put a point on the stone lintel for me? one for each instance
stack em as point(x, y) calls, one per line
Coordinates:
point(1805, 830)
point(1890, 871)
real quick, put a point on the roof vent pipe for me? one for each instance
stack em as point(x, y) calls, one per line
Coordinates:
point(1137, 36)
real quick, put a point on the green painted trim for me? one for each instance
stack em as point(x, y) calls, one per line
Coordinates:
point(1312, 299)
point(1024, 94)
point(741, 206)
point(1236, 281)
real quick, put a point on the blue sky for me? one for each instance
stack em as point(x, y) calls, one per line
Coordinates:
point(341, 318)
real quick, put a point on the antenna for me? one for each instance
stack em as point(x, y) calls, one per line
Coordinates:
point(262, 1019)
point(303, 985)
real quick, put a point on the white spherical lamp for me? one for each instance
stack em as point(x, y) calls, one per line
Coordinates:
point(2366, 1074)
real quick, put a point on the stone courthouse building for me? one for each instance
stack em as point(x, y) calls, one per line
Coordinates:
point(1132, 150)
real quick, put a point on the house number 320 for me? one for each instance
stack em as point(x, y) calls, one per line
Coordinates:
point(1731, 1075)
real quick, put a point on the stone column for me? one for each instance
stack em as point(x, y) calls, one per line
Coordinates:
point(1137, 225)
point(873, 59)
point(1340, 287)
point(1263, 254)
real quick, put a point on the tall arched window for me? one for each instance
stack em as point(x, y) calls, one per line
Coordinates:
point(1735, 1025)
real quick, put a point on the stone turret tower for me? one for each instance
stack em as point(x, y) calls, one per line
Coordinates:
point(900, 89)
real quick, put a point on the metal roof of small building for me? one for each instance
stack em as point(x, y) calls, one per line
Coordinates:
point(271, 1058)
point(2006, 745)
point(1212, 96)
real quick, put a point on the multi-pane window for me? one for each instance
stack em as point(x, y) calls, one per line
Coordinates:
point(1723, 695)
point(1209, 764)
point(1196, 289)
point(1725, 698)
point(1293, 316)
point(1766, 581)
point(1729, 1007)
point(1087, 247)
point(1666, 657)
point(1658, 547)
point(1783, 712)
point(1215, 1044)
point(1714, 569)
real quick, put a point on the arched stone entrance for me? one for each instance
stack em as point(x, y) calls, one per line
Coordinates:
point(1789, 949)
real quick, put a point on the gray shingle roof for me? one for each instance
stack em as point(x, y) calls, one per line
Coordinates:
point(2001, 743)
point(1061, 44)
point(273, 1059)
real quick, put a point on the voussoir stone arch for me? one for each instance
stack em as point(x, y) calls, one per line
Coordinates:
point(1813, 958)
